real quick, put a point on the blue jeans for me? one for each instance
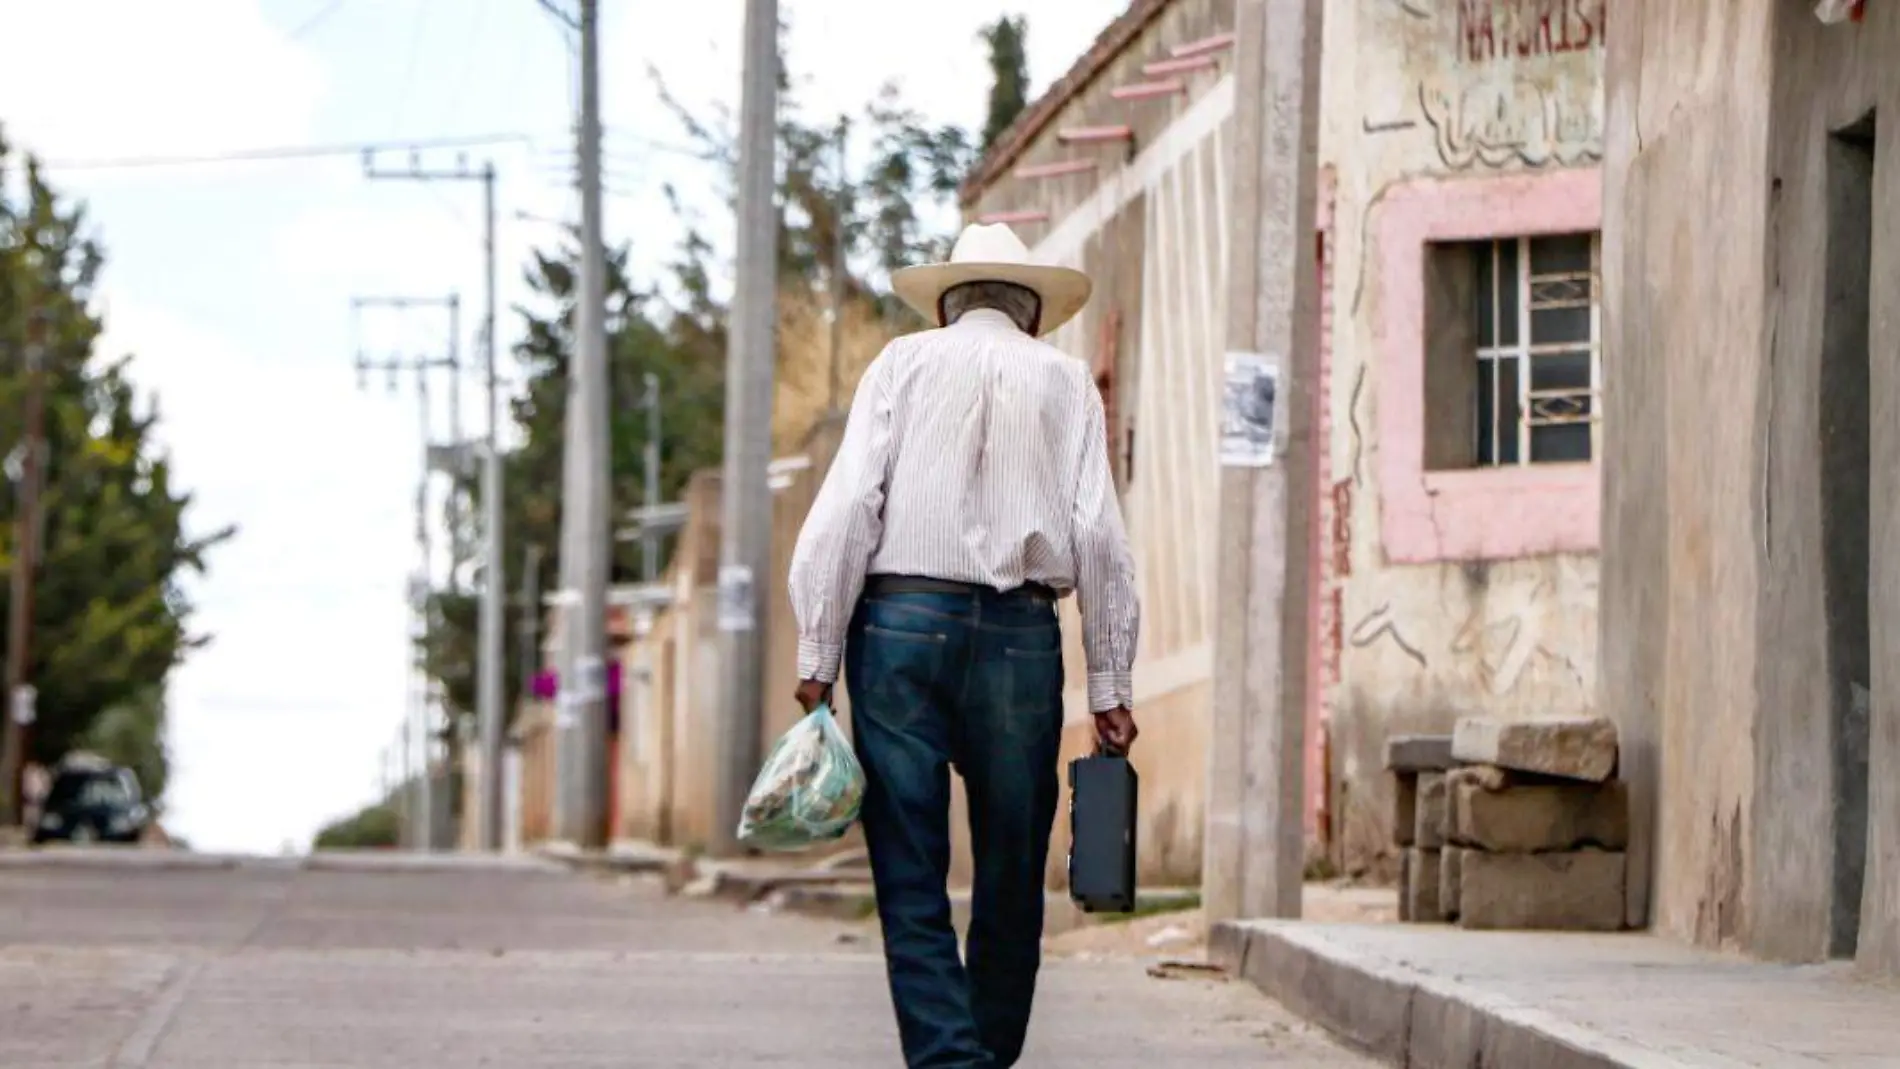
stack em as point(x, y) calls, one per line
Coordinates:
point(972, 681)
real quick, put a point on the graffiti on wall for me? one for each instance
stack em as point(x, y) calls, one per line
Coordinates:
point(1501, 82)
point(1492, 31)
point(1512, 627)
point(1499, 121)
point(1382, 623)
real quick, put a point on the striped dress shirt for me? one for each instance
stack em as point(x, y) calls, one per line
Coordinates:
point(976, 454)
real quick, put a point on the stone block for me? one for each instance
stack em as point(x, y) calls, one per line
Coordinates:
point(1428, 829)
point(1404, 807)
point(1421, 890)
point(1450, 867)
point(1581, 891)
point(1489, 812)
point(1418, 753)
point(1580, 748)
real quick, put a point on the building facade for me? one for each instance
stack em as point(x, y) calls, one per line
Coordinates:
point(1454, 570)
point(1750, 598)
point(1460, 152)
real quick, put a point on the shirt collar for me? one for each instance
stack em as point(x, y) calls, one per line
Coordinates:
point(987, 317)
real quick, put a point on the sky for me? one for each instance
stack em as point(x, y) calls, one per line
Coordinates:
point(231, 282)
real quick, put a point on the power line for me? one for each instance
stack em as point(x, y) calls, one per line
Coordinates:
point(409, 69)
point(565, 18)
point(288, 152)
point(476, 26)
point(310, 24)
point(357, 148)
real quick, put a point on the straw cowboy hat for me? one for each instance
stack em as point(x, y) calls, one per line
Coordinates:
point(994, 254)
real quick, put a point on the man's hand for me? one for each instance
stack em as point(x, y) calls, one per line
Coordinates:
point(811, 694)
point(1116, 731)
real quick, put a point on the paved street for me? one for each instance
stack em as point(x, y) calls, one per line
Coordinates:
point(270, 964)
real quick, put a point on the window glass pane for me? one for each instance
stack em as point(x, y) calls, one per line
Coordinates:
point(1551, 326)
point(1507, 412)
point(1487, 412)
point(1569, 441)
point(1508, 282)
point(1561, 371)
point(1560, 254)
point(1485, 308)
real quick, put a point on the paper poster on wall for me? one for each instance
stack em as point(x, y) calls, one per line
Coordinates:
point(1247, 400)
point(25, 704)
point(735, 598)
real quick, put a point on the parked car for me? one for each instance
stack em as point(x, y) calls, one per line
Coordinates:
point(92, 801)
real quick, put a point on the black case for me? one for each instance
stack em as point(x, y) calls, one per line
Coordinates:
point(1103, 792)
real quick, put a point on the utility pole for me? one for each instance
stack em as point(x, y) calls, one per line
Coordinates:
point(404, 741)
point(423, 817)
point(746, 531)
point(27, 529)
point(1255, 832)
point(650, 488)
point(531, 614)
point(493, 645)
point(586, 531)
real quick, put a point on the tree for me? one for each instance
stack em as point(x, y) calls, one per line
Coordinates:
point(888, 208)
point(376, 827)
point(132, 734)
point(882, 204)
point(1008, 41)
point(110, 616)
point(684, 353)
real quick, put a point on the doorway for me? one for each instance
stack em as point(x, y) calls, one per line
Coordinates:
point(1845, 466)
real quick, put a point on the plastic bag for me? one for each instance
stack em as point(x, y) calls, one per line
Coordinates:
point(809, 790)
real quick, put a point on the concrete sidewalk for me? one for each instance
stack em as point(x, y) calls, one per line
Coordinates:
point(1429, 996)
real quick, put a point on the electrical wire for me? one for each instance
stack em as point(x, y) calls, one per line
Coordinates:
point(409, 69)
point(476, 26)
point(289, 152)
point(310, 24)
point(560, 16)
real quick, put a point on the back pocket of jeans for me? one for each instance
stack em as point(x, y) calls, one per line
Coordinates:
point(1033, 693)
point(901, 670)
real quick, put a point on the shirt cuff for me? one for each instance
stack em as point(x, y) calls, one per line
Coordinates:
point(1111, 690)
point(819, 660)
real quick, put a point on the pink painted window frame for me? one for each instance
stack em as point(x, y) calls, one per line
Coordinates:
point(1480, 513)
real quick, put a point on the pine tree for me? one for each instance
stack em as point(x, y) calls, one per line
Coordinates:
point(643, 338)
point(110, 616)
point(1008, 41)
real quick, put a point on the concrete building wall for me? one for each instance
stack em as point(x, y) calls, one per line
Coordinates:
point(1749, 604)
point(1447, 589)
point(534, 743)
point(669, 745)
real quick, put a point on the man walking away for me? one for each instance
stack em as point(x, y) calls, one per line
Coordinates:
point(971, 492)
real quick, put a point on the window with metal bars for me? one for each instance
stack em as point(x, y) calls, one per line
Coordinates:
point(1539, 364)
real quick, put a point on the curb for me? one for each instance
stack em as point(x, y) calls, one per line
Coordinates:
point(835, 888)
point(435, 863)
point(1404, 1016)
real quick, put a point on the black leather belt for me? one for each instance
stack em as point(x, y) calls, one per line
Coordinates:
point(878, 585)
